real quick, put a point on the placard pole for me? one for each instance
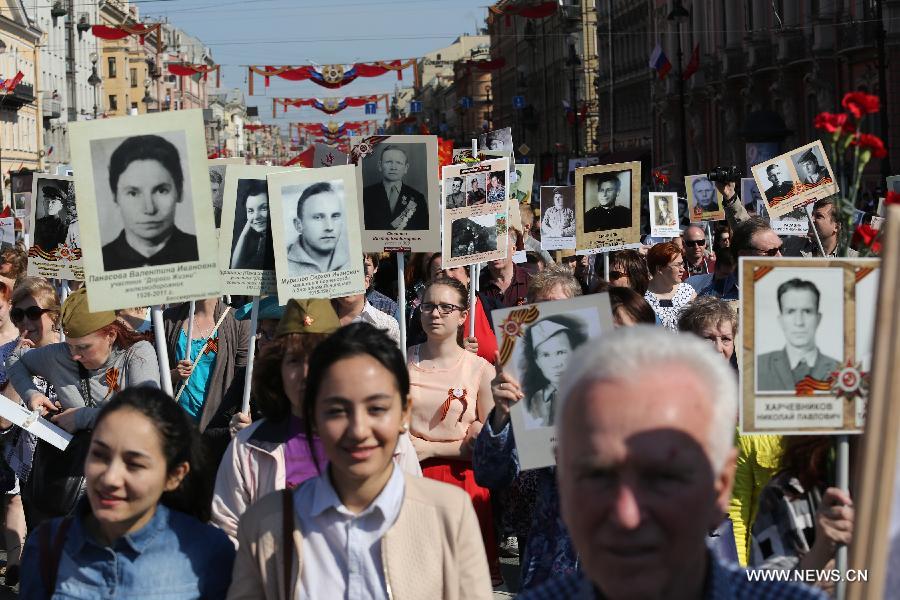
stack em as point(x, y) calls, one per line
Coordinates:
point(63, 294)
point(162, 351)
point(473, 273)
point(251, 355)
point(709, 240)
point(842, 480)
point(190, 327)
point(401, 300)
point(606, 266)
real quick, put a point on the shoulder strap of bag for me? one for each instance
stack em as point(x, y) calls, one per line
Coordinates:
point(51, 553)
point(86, 386)
point(287, 520)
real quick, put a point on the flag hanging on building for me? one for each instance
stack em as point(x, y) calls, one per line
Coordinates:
point(659, 62)
point(8, 85)
point(693, 65)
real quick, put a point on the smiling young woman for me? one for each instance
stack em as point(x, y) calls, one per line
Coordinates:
point(406, 537)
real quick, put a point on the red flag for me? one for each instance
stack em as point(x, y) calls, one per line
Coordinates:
point(693, 65)
point(10, 84)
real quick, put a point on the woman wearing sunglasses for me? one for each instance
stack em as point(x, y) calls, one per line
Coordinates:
point(451, 396)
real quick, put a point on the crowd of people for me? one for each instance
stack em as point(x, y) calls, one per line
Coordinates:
point(367, 470)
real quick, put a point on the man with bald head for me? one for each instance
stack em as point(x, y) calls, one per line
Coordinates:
point(645, 471)
point(696, 262)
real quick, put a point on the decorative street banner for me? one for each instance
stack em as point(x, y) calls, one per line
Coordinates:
point(704, 200)
point(607, 207)
point(55, 250)
point(246, 255)
point(536, 344)
point(663, 215)
point(315, 226)
point(795, 178)
point(332, 76)
point(189, 70)
point(145, 211)
point(475, 224)
point(330, 106)
point(807, 329)
point(400, 197)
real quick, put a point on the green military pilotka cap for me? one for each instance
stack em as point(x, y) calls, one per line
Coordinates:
point(76, 318)
point(312, 315)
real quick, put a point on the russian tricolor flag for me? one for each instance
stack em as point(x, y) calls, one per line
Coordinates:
point(660, 62)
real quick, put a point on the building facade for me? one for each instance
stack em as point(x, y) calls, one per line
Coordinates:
point(224, 121)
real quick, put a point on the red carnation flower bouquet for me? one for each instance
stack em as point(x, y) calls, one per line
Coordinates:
point(850, 150)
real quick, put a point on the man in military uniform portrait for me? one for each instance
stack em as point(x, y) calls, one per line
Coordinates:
point(799, 318)
point(811, 172)
point(391, 204)
point(780, 187)
point(456, 198)
point(608, 213)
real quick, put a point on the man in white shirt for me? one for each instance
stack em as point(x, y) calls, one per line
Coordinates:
point(355, 308)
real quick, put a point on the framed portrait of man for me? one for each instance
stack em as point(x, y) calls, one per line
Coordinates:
point(537, 343)
point(558, 217)
point(607, 206)
point(55, 250)
point(664, 214)
point(145, 209)
point(751, 197)
point(217, 168)
point(246, 246)
point(795, 178)
point(802, 365)
point(704, 199)
point(400, 193)
point(316, 233)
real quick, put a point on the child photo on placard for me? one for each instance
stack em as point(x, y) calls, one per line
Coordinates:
point(704, 199)
point(56, 248)
point(558, 217)
point(145, 209)
point(664, 214)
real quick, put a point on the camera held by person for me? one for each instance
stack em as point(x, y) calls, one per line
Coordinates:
point(725, 174)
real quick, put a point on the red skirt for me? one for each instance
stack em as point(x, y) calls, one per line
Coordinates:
point(460, 474)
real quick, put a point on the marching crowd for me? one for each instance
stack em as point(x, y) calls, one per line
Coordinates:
point(364, 472)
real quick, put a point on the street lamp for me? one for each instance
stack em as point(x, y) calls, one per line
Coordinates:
point(94, 80)
point(574, 62)
point(679, 15)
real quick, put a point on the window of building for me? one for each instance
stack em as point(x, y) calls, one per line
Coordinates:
point(111, 67)
point(133, 77)
point(113, 102)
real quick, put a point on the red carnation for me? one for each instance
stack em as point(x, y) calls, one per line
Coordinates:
point(872, 143)
point(831, 122)
point(892, 198)
point(868, 236)
point(861, 103)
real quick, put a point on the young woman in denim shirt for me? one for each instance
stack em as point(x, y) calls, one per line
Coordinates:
point(136, 534)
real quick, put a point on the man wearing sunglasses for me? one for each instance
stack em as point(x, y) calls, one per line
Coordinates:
point(696, 261)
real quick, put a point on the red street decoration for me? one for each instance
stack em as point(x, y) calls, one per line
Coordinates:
point(189, 70)
point(258, 127)
point(8, 86)
point(537, 11)
point(328, 106)
point(123, 31)
point(484, 65)
point(332, 76)
point(304, 159)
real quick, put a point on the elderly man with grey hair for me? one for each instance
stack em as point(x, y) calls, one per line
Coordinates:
point(645, 464)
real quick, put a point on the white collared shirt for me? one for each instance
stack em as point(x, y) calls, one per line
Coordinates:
point(795, 356)
point(341, 550)
point(381, 320)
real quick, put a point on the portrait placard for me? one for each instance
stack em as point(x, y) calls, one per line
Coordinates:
point(750, 196)
point(794, 223)
point(499, 140)
point(580, 163)
point(521, 188)
point(664, 215)
point(246, 249)
point(806, 338)
point(477, 231)
point(704, 200)
point(145, 209)
point(7, 232)
point(558, 217)
point(607, 206)
point(795, 178)
point(399, 192)
point(315, 230)
point(328, 156)
point(537, 343)
point(217, 169)
point(55, 250)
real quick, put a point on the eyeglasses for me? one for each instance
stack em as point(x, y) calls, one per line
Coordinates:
point(32, 312)
point(770, 252)
point(443, 308)
point(695, 242)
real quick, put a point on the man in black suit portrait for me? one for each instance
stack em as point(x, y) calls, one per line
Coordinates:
point(390, 204)
point(606, 214)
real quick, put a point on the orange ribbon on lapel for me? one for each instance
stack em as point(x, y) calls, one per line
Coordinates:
point(112, 382)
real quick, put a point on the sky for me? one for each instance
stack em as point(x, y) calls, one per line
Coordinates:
point(301, 32)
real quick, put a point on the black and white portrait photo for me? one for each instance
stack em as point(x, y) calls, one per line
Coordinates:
point(454, 194)
point(395, 187)
point(751, 197)
point(811, 168)
point(558, 212)
point(476, 184)
point(780, 183)
point(473, 235)
point(704, 199)
point(548, 348)
point(56, 217)
point(217, 187)
point(251, 242)
point(607, 201)
point(145, 210)
point(497, 141)
point(663, 214)
point(316, 228)
point(799, 326)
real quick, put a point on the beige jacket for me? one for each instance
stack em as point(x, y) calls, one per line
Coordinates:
point(433, 550)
